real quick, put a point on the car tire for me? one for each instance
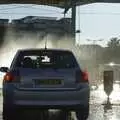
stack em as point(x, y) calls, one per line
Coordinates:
point(83, 113)
point(9, 113)
point(64, 115)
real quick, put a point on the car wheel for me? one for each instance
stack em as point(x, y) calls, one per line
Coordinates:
point(82, 114)
point(64, 115)
point(9, 113)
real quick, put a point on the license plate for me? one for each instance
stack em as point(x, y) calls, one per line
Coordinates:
point(48, 82)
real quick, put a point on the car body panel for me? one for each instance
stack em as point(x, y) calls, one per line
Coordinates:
point(47, 97)
point(31, 78)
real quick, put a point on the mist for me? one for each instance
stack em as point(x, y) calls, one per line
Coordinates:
point(22, 40)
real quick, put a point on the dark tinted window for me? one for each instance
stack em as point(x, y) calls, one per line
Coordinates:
point(46, 59)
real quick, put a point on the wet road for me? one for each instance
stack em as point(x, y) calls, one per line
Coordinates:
point(100, 108)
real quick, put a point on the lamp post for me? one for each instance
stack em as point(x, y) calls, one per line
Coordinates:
point(95, 41)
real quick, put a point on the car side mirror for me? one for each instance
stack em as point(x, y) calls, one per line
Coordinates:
point(4, 69)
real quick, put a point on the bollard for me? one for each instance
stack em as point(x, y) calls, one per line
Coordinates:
point(108, 82)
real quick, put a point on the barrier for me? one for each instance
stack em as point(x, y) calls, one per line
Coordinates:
point(108, 82)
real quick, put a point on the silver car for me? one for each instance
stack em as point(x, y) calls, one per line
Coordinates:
point(45, 78)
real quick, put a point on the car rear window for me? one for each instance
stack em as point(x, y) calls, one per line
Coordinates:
point(46, 59)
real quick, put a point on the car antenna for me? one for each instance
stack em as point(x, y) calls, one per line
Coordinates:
point(46, 43)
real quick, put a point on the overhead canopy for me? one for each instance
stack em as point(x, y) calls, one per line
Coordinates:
point(56, 3)
point(66, 4)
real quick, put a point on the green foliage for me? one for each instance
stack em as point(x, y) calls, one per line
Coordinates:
point(112, 52)
point(114, 42)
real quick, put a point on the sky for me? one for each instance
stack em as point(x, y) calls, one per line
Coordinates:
point(96, 21)
point(99, 21)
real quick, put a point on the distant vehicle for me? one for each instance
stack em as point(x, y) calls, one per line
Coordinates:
point(45, 78)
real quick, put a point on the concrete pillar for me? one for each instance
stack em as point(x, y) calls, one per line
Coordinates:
point(73, 24)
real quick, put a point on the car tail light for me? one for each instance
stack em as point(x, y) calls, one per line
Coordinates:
point(12, 76)
point(85, 76)
point(81, 76)
point(8, 77)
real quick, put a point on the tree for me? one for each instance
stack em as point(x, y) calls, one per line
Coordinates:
point(114, 42)
point(111, 53)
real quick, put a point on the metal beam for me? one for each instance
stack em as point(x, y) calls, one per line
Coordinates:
point(73, 21)
point(57, 3)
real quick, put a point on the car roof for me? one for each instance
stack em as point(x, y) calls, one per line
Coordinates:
point(42, 49)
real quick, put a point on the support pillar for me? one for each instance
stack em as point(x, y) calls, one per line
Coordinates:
point(73, 24)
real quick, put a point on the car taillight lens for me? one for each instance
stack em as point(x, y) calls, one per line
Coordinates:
point(81, 76)
point(85, 76)
point(8, 77)
point(12, 76)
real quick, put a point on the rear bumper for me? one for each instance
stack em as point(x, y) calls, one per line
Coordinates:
point(65, 107)
point(47, 99)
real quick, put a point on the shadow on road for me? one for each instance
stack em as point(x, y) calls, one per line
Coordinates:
point(107, 106)
point(43, 115)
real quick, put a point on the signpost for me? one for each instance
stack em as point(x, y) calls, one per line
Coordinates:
point(108, 81)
